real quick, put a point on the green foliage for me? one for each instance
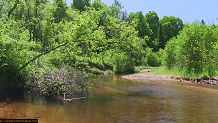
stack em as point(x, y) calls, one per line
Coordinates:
point(123, 63)
point(153, 60)
point(171, 26)
point(98, 5)
point(143, 61)
point(210, 51)
point(138, 68)
point(153, 21)
point(158, 31)
point(59, 12)
point(94, 37)
point(161, 38)
point(115, 9)
point(194, 50)
point(140, 25)
point(117, 61)
point(171, 53)
point(162, 70)
point(80, 4)
point(95, 40)
point(14, 51)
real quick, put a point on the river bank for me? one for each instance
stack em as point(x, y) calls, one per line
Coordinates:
point(149, 75)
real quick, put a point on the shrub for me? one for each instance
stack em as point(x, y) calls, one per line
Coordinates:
point(153, 60)
point(170, 53)
point(117, 61)
point(194, 50)
point(144, 58)
point(123, 63)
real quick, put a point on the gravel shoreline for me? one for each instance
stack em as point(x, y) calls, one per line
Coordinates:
point(147, 75)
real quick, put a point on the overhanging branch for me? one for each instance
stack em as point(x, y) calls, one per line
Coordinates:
point(33, 59)
point(13, 8)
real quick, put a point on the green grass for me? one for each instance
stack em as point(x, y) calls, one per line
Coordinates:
point(162, 70)
point(138, 68)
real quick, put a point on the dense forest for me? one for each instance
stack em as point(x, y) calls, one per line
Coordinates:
point(49, 47)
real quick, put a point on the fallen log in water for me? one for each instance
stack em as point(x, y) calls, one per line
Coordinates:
point(7, 100)
point(3, 104)
point(70, 100)
point(63, 97)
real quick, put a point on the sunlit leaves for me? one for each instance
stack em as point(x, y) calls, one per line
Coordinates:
point(98, 5)
point(194, 50)
point(171, 26)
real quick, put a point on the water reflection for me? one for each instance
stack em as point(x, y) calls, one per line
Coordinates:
point(119, 100)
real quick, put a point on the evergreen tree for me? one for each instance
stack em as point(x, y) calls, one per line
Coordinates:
point(152, 19)
point(80, 4)
point(202, 22)
point(60, 10)
point(141, 26)
point(160, 38)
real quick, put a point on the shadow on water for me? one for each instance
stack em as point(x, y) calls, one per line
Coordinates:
point(120, 100)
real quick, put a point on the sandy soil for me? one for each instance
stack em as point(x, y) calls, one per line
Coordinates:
point(148, 75)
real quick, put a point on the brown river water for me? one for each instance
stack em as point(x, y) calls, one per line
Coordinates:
point(117, 100)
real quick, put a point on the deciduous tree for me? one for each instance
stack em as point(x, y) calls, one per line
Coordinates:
point(171, 26)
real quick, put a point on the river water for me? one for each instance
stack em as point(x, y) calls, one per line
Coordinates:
point(117, 100)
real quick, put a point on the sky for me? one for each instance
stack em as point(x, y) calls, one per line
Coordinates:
point(187, 10)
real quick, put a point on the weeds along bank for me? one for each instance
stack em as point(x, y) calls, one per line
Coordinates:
point(194, 52)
